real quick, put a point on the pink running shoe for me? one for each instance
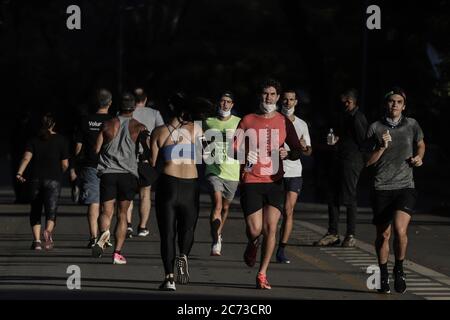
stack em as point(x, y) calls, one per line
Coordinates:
point(261, 282)
point(119, 259)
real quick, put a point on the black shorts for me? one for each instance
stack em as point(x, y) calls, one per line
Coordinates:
point(293, 184)
point(147, 174)
point(254, 196)
point(386, 202)
point(119, 186)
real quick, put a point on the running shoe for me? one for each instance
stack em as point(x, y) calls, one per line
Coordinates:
point(384, 285)
point(261, 282)
point(48, 240)
point(251, 251)
point(216, 249)
point(143, 232)
point(168, 285)
point(108, 244)
point(182, 269)
point(349, 241)
point(281, 256)
point(129, 231)
point(91, 242)
point(119, 259)
point(399, 280)
point(75, 192)
point(36, 245)
point(97, 249)
point(328, 240)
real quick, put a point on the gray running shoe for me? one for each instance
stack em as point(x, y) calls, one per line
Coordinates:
point(349, 241)
point(328, 240)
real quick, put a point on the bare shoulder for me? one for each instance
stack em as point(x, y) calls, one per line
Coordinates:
point(112, 123)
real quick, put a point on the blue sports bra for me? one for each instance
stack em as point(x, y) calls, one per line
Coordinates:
point(177, 150)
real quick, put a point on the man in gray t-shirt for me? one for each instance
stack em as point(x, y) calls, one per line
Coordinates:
point(398, 146)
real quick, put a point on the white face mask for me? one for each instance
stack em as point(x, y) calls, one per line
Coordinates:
point(287, 111)
point(222, 113)
point(267, 108)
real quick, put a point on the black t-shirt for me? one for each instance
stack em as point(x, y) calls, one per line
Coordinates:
point(351, 129)
point(47, 156)
point(87, 134)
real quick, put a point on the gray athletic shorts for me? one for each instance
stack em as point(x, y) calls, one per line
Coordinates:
point(227, 187)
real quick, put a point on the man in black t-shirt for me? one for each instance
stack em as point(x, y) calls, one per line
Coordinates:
point(86, 160)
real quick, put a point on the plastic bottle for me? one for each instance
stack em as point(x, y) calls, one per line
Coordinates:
point(330, 137)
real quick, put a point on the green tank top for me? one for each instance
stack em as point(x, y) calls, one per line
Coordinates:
point(224, 167)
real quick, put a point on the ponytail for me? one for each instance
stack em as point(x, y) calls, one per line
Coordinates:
point(47, 124)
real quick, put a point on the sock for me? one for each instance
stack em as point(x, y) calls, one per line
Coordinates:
point(117, 251)
point(384, 270)
point(398, 264)
point(214, 228)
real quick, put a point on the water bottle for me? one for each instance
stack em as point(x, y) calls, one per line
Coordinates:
point(248, 164)
point(330, 137)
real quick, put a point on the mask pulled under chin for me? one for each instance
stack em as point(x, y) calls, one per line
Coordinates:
point(267, 108)
point(223, 114)
point(287, 111)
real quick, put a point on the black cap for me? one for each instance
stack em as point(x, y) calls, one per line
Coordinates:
point(228, 94)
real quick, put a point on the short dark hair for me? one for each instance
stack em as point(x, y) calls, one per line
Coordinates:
point(291, 90)
point(128, 102)
point(266, 83)
point(139, 95)
point(351, 93)
point(104, 98)
point(395, 90)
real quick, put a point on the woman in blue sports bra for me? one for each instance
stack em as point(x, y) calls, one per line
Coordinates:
point(177, 190)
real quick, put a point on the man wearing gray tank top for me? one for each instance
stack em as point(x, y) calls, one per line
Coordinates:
point(117, 147)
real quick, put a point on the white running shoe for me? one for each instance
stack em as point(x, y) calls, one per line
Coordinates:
point(216, 249)
point(97, 249)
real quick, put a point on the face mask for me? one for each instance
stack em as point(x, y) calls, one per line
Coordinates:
point(287, 112)
point(267, 108)
point(222, 113)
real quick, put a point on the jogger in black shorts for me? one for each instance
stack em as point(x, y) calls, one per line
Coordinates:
point(117, 168)
point(395, 138)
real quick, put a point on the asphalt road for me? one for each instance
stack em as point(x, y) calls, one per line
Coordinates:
point(314, 273)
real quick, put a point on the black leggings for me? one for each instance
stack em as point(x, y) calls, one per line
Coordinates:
point(44, 193)
point(177, 208)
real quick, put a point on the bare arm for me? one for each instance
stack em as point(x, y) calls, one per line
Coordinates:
point(78, 147)
point(375, 156)
point(154, 147)
point(416, 161)
point(23, 165)
point(65, 164)
point(73, 174)
point(99, 142)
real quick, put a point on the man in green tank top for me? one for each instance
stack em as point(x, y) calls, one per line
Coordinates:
point(222, 172)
